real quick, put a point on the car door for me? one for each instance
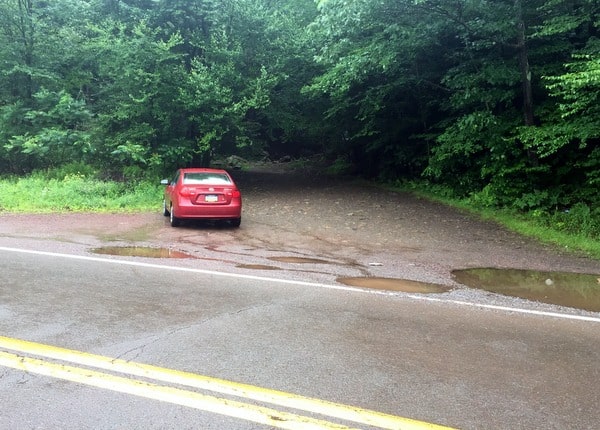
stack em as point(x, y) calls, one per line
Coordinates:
point(171, 189)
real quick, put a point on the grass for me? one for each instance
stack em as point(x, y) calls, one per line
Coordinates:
point(540, 227)
point(77, 193)
point(531, 226)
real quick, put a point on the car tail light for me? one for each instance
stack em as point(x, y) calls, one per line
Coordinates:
point(185, 191)
point(233, 193)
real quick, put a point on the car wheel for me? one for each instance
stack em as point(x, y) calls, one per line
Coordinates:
point(172, 218)
point(236, 222)
point(165, 210)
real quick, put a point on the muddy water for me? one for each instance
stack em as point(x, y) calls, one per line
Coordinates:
point(141, 251)
point(393, 284)
point(576, 290)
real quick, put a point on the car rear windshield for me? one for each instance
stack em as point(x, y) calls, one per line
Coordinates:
point(206, 178)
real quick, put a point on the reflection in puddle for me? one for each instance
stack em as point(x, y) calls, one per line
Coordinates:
point(141, 251)
point(576, 290)
point(301, 260)
point(403, 285)
point(257, 267)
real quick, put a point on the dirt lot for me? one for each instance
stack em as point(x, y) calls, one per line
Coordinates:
point(311, 227)
point(332, 218)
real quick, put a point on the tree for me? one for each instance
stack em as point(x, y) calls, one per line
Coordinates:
point(135, 95)
point(507, 49)
point(497, 99)
point(380, 77)
point(231, 73)
point(20, 29)
point(574, 82)
point(41, 119)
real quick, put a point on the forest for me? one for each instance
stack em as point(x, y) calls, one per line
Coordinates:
point(494, 100)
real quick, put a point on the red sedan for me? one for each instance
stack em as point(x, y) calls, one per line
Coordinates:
point(209, 194)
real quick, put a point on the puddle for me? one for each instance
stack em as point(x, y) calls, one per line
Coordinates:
point(575, 290)
point(140, 251)
point(300, 260)
point(257, 267)
point(392, 284)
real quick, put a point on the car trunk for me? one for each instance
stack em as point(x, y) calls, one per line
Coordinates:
point(209, 195)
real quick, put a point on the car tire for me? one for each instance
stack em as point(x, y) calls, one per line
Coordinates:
point(173, 219)
point(236, 222)
point(165, 210)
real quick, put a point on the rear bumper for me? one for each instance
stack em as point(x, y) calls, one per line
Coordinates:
point(230, 211)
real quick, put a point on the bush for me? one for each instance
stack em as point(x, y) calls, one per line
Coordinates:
point(578, 220)
point(71, 169)
point(76, 192)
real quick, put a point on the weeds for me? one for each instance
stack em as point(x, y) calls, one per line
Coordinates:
point(76, 193)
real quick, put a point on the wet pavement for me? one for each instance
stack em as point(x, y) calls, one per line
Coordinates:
point(576, 290)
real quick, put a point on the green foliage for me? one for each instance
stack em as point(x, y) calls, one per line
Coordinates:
point(76, 192)
point(579, 88)
point(496, 100)
point(52, 132)
point(340, 166)
point(481, 150)
point(380, 71)
point(74, 169)
point(579, 219)
point(138, 106)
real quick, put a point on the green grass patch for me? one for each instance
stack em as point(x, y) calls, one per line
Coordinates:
point(38, 193)
point(576, 230)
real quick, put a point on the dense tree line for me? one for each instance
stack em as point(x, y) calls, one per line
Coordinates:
point(497, 99)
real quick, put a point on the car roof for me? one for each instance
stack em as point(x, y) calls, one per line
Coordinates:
point(183, 171)
point(201, 170)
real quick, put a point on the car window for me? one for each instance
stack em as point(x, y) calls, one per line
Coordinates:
point(175, 179)
point(206, 178)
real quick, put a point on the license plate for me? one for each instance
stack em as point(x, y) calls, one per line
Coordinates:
point(211, 198)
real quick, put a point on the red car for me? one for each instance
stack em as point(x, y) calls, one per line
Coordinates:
point(209, 194)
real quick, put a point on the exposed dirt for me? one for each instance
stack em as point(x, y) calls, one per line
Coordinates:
point(347, 229)
point(303, 212)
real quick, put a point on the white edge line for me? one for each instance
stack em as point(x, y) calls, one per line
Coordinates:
point(304, 283)
point(191, 270)
point(509, 309)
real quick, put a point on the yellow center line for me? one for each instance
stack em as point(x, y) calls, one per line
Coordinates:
point(279, 398)
point(177, 396)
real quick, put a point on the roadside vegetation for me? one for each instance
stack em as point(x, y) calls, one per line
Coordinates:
point(493, 103)
point(42, 192)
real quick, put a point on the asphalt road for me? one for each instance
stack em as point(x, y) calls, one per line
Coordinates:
point(409, 356)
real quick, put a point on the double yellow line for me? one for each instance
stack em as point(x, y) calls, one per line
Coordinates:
point(192, 399)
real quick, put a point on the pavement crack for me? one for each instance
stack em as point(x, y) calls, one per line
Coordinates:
point(134, 353)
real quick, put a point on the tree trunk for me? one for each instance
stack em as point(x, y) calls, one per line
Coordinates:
point(524, 66)
point(528, 115)
point(26, 30)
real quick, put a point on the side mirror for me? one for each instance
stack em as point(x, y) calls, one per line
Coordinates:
point(164, 182)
